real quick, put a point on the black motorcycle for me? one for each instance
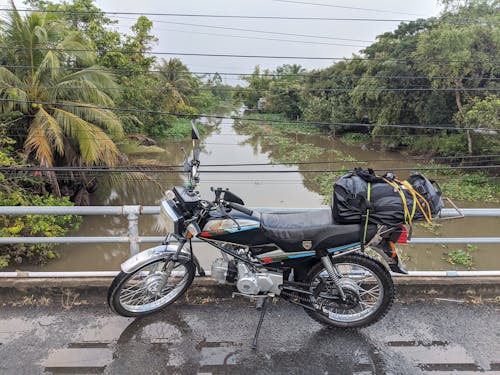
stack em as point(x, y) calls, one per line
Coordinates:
point(303, 257)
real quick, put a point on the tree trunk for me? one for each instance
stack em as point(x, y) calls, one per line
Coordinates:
point(469, 142)
point(460, 111)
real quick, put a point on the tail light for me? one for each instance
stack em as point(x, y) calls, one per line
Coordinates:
point(403, 237)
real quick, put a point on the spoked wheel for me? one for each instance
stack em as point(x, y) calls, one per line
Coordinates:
point(367, 286)
point(150, 288)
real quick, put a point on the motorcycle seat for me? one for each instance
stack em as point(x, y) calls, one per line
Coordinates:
point(291, 231)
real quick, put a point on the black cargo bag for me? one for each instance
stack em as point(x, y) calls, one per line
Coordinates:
point(384, 204)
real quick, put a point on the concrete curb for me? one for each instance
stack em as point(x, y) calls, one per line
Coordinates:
point(92, 291)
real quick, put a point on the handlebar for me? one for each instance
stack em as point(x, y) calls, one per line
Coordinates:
point(240, 208)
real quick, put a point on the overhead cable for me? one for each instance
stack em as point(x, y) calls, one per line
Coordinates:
point(66, 50)
point(262, 74)
point(450, 127)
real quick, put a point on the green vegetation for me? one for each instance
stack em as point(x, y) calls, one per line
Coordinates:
point(354, 139)
point(430, 72)
point(62, 75)
point(457, 185)
point(24, 190)
point(462, 257)
point(181, 129)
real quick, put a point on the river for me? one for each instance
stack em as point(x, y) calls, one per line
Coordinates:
point(225, 145)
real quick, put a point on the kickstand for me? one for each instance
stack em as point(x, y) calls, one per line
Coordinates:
point(262, 309)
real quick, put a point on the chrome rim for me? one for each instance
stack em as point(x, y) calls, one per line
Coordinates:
point(359, 281)
point(140, 292)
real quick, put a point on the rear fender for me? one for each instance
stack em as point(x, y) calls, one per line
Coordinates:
point(155, 253)
point(387, 250)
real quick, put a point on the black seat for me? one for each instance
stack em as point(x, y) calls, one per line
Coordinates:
point(289, 230)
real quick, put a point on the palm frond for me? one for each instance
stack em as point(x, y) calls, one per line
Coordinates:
point(81, 91)
point(99, 76)
point(8, 78)
point(38, 143)
point(75, 46)
point(95, 147)
point(14, 99)
point(134, 148)
point(48, 67)
point(104, 118)
point(51, 128)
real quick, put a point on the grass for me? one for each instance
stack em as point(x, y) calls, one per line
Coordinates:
point(471, 187)
point(462, 257)
point(355, 139)
point(181, 129)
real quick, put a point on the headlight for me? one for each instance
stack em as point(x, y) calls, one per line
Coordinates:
point(170, 217)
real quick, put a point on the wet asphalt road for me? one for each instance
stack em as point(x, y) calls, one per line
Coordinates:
point(434, 338)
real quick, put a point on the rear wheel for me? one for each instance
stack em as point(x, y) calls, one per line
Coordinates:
point(367, 286)
point(150, 288)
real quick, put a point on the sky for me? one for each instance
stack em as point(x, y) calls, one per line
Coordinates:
point(185, 35)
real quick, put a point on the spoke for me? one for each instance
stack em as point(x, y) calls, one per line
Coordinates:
point(130, 296)
point(376, 296)
point(370, 290)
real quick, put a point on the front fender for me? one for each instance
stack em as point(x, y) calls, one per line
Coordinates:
point(155, 253)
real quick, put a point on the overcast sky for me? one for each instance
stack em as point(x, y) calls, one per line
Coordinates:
point(197, 39)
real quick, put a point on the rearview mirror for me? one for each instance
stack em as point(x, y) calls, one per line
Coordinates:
point(195, 135)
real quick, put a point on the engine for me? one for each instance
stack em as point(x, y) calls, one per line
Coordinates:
point(247, 281)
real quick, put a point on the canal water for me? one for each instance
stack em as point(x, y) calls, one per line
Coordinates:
point(225, 144)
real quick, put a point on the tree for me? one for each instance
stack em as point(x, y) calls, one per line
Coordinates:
point(466, 53)
point(64, 123)
point(178, 83)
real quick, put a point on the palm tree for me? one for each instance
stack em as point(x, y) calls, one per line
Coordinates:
point(61, 102)
point(178, 82)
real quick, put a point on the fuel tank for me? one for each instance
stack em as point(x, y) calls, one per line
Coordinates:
point(243, 230)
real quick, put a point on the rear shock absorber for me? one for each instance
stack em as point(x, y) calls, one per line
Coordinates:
point(333, 274)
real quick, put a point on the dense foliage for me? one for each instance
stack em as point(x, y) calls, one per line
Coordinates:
point(74, 92)
point(455, 58)
point(18, 190)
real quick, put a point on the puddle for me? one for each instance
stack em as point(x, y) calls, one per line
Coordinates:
point(104, 329)
point(78, 360)
point(436, 355)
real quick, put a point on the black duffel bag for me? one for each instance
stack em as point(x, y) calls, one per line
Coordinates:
point(361, 196)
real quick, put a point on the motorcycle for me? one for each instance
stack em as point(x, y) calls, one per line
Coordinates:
point(303, 257)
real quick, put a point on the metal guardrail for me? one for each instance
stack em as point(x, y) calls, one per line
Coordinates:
point(132, 213)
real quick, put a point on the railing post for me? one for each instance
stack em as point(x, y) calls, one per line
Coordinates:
point(133, 213)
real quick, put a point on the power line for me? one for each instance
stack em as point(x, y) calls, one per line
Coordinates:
point(246, 56)
point(472, 159)
point(191, 115)
point(255, 31)
point(144, 170)
point(231, 89)
point(305, 75)
point(262, 38)
point(345, 7)
point(197, 15)
point(239, 16)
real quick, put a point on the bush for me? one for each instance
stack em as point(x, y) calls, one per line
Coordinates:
point(32, 225)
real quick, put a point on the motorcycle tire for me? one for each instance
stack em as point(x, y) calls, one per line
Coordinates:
point(135, 294)
point(363, 306)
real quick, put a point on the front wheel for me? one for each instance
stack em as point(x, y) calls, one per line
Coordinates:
point(367, 286)
point(150, 288)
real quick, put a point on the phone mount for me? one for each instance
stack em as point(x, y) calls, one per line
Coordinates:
point(192, 167)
